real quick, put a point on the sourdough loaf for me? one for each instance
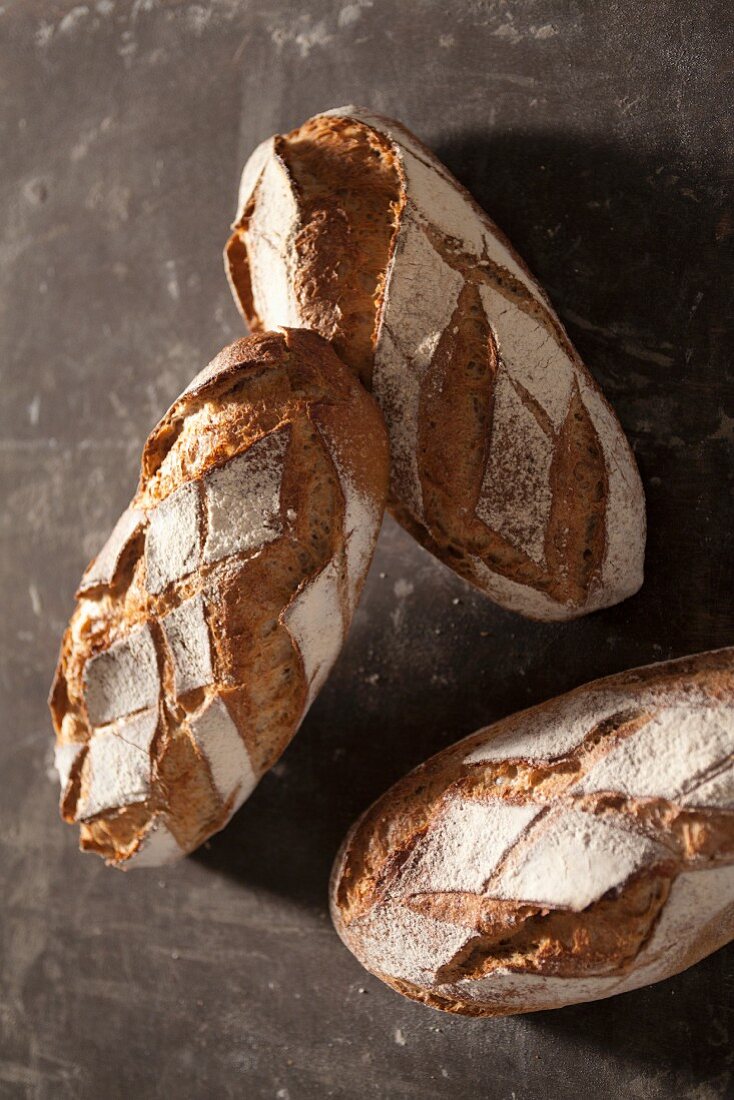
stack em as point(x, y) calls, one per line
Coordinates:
point(506, 460)
point(577, 850)
point(210, 619)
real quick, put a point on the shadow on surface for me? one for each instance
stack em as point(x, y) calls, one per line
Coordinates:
point(635, 254)
point(681, 1027)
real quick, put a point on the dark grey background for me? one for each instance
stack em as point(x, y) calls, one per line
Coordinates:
point(595, 135)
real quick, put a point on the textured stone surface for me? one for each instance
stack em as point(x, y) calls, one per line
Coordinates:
point(596, 136)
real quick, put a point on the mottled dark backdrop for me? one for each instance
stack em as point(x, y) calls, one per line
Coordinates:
point(595, 134)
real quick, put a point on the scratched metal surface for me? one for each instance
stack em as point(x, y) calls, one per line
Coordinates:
point(595, 135)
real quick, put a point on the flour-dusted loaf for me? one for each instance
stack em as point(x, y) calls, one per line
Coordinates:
point(507, 462)
point(210, 619)
point(577, 850)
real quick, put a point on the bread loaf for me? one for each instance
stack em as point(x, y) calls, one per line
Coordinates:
point(210, 619)
point(580, 849)
point(506, 461)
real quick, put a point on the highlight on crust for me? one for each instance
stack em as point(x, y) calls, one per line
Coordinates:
point(574, 851)
point(506, 461)
point(212, 616)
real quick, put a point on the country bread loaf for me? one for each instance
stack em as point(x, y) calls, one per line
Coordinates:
point(210, 619)
point(506, 460)
point(580, 849)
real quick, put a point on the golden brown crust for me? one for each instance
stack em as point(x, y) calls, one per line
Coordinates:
point(269, 390)
point(348, 182)
point(543, 512)
point(606, 939)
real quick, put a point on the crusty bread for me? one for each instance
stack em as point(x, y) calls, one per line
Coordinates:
point(580, 849)
point(506, 461)
point(210, 619)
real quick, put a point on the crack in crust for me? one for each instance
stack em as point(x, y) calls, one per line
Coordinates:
point(611, 935)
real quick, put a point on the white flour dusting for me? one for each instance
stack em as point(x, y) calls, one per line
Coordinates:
point(716, 792)
point(64, 758)
point(218, 739)
point(252, 172)
point(660, 760)
point(398, 941)
point(243, 499)
point(187, 635)
point(157, 847)
point(464, 846)
point(415, 313)
point(625, 506)
point(270, 247)
point(547, 733)
point(116, 771)
point(697, 899)
point(122, 679)
point(520, 455)
point(173, 541)
point(362, 521)
point(571, 860)
point(314, 619)
point(531, 354)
